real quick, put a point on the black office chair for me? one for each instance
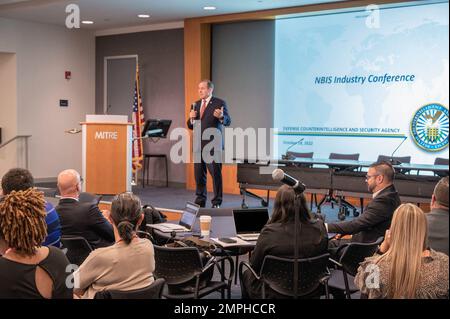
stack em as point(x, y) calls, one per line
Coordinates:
point(89, 198)
point(344, 206)
point(396, 161)
point(351, 255)
point(154, 291)
point(441, 161)
point(293, 155)
point(77, 247)
point(278, 274)
point(186, 275)
point(349, 157)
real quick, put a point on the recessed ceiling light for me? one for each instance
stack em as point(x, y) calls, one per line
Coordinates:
point(209, 8)
point(143, 16)
point(87, 22)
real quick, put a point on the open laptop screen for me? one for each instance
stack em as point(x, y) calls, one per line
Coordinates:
point(250, 221)
point(189, 214)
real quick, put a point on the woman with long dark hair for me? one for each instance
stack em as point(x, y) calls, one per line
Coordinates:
point(277, 238)
point(126, 265)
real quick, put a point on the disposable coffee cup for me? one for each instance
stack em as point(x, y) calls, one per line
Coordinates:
point(205, 225)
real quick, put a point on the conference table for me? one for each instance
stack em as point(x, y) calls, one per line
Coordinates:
point(414, 182)
point(222, 225)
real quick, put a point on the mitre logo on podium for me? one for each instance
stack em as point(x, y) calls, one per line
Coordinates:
point(106, 135)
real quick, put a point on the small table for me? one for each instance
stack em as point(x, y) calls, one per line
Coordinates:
point(222, 225)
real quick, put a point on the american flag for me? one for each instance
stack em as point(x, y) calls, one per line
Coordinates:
point(138, 125)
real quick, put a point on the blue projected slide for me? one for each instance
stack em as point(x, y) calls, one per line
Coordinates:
point(363, 81)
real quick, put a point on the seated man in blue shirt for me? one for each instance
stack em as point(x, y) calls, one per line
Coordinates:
point(18, 179)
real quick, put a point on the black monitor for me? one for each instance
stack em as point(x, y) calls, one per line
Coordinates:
point(156, 128)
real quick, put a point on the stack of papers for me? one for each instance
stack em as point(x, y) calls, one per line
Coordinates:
point(239, 242)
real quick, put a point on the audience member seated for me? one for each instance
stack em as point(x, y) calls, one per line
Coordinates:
point(129, 263)
point(438, 217)
point(277, 239)
point(27, 269)
point(18, 179)
point(406, 268)
point(81, 218)
point(377, 216)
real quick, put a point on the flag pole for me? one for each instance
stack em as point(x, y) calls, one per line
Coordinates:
point(138, 122)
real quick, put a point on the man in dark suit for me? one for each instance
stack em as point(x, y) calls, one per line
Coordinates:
point(377, 216)
point(82, 219)
point(207, 118)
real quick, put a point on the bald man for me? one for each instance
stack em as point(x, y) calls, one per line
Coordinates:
point(82, 219)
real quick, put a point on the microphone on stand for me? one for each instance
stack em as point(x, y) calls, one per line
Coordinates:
point(279, 175)
point(395, 161)
point(285, 156)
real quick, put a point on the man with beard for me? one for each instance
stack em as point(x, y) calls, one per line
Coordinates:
point(377, 216)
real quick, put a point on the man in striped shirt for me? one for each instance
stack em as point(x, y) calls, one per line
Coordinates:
point(18, 179)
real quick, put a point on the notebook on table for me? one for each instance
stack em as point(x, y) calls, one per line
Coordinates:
point(250, 222)
point(185, 224)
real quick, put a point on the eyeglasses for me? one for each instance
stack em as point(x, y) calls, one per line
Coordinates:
point(370, 176)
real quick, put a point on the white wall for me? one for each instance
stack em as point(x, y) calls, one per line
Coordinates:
point(8, 110)
point(43, 53)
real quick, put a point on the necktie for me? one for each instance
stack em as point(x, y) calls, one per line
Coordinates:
point(202, 109)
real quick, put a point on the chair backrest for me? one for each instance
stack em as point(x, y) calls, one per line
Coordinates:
point(300, 155)
point(401, 159)
point(441, 161)
point(78, 248)
point(89, 198)
point(354, 253)
point(278, 274)
point(154, 291)
point(340, 156)
point(177, 265)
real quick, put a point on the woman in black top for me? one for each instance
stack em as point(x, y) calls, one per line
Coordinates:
point(277, 239)
point(28, 270)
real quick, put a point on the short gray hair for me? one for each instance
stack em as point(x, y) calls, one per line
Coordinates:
point(209, 83)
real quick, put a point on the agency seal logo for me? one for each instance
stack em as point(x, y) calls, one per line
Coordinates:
point(429, 127)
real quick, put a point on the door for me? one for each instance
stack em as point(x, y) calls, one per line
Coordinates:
point(121, 74)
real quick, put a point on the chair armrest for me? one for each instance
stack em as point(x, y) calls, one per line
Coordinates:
point(210, 263)
point(335, 262)
point(340, 248)
point(243, 264)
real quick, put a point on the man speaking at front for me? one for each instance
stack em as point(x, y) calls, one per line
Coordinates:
point(212, 115)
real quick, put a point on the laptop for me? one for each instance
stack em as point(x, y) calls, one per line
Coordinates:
point(185, 224)
point(250, 222)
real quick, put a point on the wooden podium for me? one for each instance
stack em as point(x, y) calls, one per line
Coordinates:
point(107, 142)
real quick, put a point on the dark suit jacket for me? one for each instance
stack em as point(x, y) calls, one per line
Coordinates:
point(208, 120)
point(86, 220)
point(277, 239)
point(374, 221)
point(438, 229)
